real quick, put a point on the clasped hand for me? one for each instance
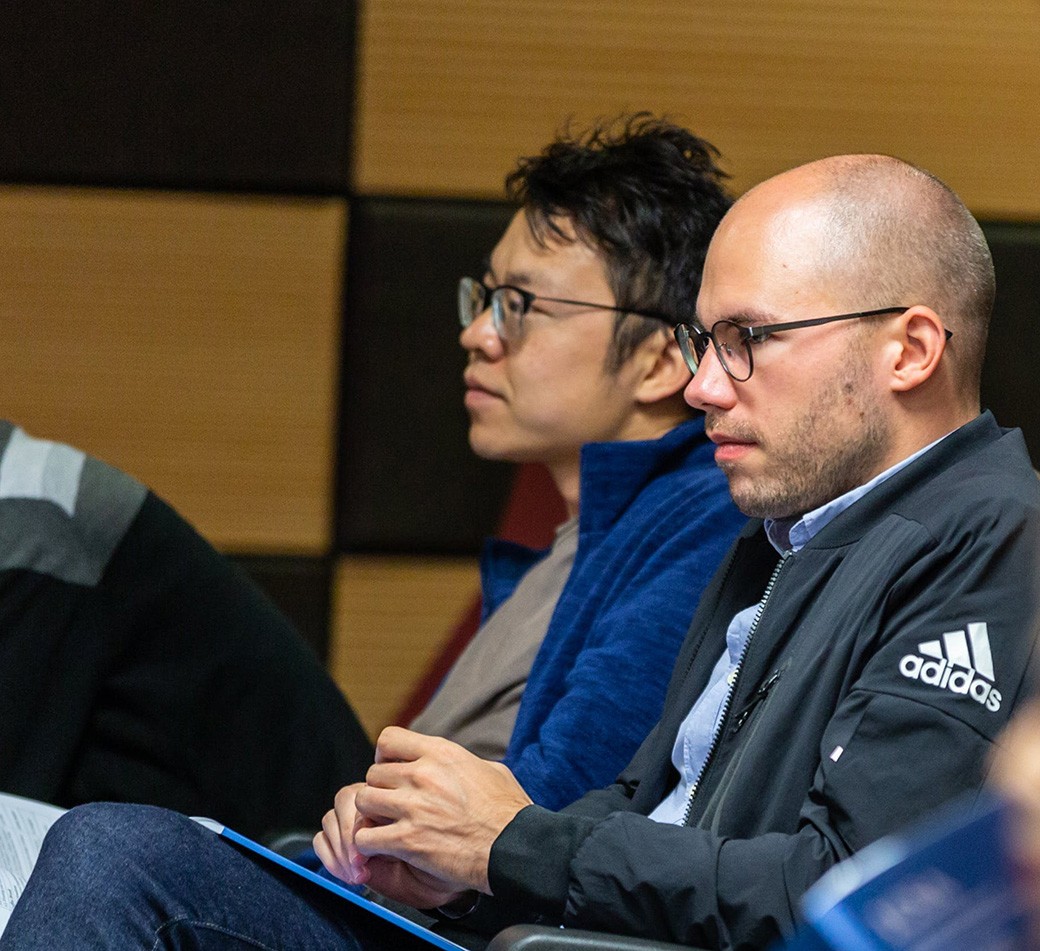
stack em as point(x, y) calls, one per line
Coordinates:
point(421, 826)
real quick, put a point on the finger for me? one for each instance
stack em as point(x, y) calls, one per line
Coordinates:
point(344, 801)
point(355, 857)
point(380, 806)
point(346, 811)
point(327, 856)
point(343, 861)
point(383, 840)
point(396, 744)
point(331, 839)
point(389, 775)
point(324, 851)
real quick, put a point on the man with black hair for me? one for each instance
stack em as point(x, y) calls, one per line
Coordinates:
point(572, 364)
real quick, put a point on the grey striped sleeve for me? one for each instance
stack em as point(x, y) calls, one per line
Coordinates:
point(62, 513)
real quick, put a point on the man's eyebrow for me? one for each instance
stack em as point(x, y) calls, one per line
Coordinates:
point(521, 279)
point(745, 318)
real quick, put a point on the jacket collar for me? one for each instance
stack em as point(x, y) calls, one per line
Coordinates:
point(862, 515)
point(614, 473)
point(900, 489)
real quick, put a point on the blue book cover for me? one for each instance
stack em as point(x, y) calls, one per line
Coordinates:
point(336, 887)
point(947, 885)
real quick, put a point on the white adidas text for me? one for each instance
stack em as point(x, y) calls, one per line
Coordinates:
point(960, 662)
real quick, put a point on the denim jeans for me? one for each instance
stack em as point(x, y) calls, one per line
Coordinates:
point(126, 877)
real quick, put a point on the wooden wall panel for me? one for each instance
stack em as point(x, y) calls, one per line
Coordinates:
point(191, 340)
point(237, 95)
point(450, 92)
point(389, 617)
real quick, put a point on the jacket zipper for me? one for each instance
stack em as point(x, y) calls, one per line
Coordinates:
point(756, 698)
point(734, 677)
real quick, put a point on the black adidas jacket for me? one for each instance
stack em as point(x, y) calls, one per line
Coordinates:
point(842, 726)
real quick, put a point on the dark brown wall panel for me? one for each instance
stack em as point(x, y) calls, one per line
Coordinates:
point(247, 94)
point(301, 588)
point(1010, 380)
point(407, 479)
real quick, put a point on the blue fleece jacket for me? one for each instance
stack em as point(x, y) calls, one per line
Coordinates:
point(655, 520)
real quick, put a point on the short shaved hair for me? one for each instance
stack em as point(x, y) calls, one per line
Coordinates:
point(900, 236)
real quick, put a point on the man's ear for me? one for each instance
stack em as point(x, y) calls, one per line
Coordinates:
point(664, 372)
point(916, 349)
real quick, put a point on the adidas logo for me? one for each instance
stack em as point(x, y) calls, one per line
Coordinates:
point(960, 662)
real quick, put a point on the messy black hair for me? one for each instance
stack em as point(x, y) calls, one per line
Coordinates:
point(645, 193)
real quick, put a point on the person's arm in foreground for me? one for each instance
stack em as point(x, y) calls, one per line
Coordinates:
point(1016, 774)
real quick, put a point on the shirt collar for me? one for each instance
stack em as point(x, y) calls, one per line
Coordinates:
point(794, 533)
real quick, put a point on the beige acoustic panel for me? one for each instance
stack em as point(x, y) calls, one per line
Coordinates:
point(452, 91)
point(389, 618)
point(189, 339)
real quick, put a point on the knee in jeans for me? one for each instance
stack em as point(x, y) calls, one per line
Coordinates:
point(98, 837)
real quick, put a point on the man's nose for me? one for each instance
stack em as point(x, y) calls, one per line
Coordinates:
point(481, 336)
point(711, 386)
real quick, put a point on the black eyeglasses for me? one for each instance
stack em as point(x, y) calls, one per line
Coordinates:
point(509, 305)
point(732, 341)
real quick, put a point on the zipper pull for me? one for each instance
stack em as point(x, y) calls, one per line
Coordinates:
point(756, 698)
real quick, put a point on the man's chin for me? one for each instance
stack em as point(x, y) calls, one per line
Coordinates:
point(751, 500)
point(483, 451)
point(751, 508)
point(490, 449)
point(755, 503)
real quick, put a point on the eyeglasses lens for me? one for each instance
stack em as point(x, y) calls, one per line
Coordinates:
point(699, 342)
point(733, 349)
point(471, 300)
point(508, 308)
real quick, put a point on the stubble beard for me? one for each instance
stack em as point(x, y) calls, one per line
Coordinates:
point(822, 456)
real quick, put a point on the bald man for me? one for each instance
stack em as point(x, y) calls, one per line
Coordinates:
point(848, 668)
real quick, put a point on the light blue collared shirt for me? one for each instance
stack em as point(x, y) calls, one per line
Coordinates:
point(697, 733)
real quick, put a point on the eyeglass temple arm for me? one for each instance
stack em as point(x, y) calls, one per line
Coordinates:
point(531, 298)
point(656, 315)
point(761, 333)
point(767, 330)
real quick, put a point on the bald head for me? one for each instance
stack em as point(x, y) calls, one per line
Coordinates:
point(887, 233)
point(831, 288)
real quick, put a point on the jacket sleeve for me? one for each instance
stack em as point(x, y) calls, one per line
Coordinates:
point(615, 687)
point(892, 750)
point(624, 873)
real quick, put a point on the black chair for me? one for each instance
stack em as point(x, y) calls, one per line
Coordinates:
point(542, 938)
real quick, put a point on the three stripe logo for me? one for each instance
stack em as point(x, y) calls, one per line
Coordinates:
point(959, 661)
